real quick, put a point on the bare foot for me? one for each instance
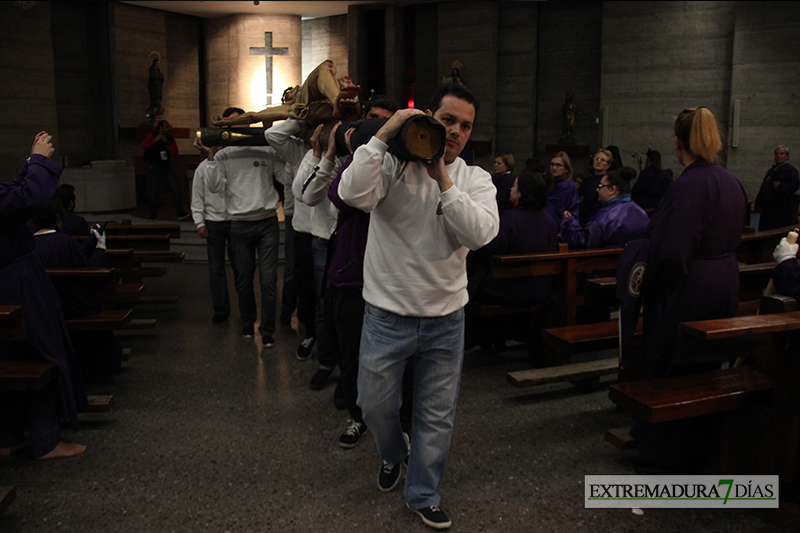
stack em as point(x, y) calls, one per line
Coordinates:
point(64, 449)
point(5, 452)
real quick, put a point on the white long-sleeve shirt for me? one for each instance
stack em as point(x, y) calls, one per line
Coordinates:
point(292, 150)
point(415, 262)
point(311, 188)
point(207, 205)
point(246, 174)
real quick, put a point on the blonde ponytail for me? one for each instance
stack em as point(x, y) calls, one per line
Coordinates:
point(697, 131)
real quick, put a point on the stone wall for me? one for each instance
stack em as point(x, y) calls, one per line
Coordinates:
point(659, 58)
point(236, 78)
point(516, 81)
point(765, 79)
point(325, 38)
point(27, 94)
point(569, 55)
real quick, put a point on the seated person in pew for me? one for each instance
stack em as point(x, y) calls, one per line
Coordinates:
point(619, 221)
point(691, 274)
point(73, 224)
point(786, 275)
point(98, 352)
point(23, 281)
point(525, 229)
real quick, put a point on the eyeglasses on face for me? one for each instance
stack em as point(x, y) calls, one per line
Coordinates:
point(603, 185)
point(601, 159)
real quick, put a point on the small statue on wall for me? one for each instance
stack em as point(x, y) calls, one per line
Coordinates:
point(569, 112)
point(155, 86)
point(455, 74)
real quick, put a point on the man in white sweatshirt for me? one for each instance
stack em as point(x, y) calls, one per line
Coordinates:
point(214, 225)
point(424, 218)
point(246, 173)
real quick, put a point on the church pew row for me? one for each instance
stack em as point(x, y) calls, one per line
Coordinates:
point(564, 342)
point(26, 375)
point(125, 227)
point(12, 325)
point(771, 343)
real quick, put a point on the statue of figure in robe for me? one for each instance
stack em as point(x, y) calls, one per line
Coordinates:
point(155, 86)
point(455, 74)
point(569, 112)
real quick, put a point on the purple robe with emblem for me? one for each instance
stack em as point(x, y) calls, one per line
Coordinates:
point(692, 272)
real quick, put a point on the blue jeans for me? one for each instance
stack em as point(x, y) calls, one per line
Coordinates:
point(436, 347)
point(247, 239)
point(325, 347)
point(219, 238)
point(156, 175)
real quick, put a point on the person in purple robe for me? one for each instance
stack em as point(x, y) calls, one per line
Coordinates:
point(777, 190)
point(72, 224)
point(98, 352)
point(525, 229)
point(23, 281)
point(503, 179)
point(563, 195)
point(587, 189)
point(619, 220)
point(652, 183)
point(691, 274)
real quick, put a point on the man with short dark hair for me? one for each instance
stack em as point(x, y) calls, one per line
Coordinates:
point(72, 224)
point(775, 196)
point(424, 218)
point(251, 200)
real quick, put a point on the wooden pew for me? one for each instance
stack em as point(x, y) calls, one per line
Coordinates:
point(12, 324)
point(758, 247)
point(564, 267)
point(25, 375)
point(125, 227)
point(158, 242)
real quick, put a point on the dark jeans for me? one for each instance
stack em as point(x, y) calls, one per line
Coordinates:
point(325, 348)
point(345, 314)
point(219, 238)
point(247, 240)
point(289, 295)
point(304, 278)
point(157, 174)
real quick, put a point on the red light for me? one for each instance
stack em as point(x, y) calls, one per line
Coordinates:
point(411, 104)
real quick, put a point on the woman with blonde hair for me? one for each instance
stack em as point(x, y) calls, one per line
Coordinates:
point(691, 272)
point(563, 195)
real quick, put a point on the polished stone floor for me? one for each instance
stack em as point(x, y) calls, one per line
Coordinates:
point(213, 433)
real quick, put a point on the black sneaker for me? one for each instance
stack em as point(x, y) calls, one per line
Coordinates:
point(184, 216)
point(267, 341)
point(320, 378)
point(433, 517)
point(389, 476)
point(248, 332)
point(304, 350)
point(352, 434)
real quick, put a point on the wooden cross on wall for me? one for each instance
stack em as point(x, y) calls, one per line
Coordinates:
point(268, 51)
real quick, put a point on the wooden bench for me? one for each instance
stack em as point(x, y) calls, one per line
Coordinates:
point(25, 375)
point(125, 227)
point(757, 247)
point(579, 372)
point(139, 242)
point(678, 398)
point(107, 320)
point(12, 323)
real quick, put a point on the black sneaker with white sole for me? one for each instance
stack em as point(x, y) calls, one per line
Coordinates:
point(352, 434)
point(267, 341)
point(432, 516)
point(304, 350)
point(389, 476)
